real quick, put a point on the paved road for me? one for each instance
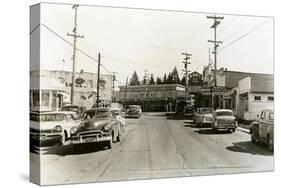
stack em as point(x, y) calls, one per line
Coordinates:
point(155, 147)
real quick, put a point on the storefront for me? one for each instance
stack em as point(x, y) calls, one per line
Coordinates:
point(46, 94)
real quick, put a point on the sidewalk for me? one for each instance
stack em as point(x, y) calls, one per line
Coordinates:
point(244, 128)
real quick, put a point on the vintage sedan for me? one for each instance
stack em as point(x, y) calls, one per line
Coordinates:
point(262, 130)
point(98, 125)
point(133, 111)
point(224, 119)
point(51, 128)
point(203, 116)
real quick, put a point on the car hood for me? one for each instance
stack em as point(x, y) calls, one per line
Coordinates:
point(97, 124)
point(225, 117)
point(44, 125)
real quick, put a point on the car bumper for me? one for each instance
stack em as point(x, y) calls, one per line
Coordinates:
point(225, 126)
point(91, 137)
point(132, 116)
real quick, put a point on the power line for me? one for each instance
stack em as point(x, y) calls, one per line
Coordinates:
point(242, 36)
point(78, 49)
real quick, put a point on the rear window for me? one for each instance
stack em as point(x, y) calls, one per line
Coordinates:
point(224, 113)
point(52, 117)
point(72, 109)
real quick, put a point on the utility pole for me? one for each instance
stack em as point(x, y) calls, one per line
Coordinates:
point(98, 82)
point(75, 36)
point(125, 95)
point(214, 26)
point(187, 57)
point(113, 85)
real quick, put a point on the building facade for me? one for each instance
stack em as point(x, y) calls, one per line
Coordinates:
point(166, 97)
point(85, 86)
point(255, 93)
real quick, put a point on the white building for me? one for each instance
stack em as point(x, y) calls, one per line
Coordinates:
point(255, 93)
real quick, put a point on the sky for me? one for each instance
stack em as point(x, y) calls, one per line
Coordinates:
point(135, 39)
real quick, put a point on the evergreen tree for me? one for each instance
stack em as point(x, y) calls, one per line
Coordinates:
point(158, 80)
point(170, 79)
point(164, 79)
point(134, 80)
point(151, 81)
point(183, 81)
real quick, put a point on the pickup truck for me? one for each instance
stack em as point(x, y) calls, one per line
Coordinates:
point(262, 130)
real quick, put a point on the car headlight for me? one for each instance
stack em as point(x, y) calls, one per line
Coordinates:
point(73, 130)
point(107, 127)
point(58, 128)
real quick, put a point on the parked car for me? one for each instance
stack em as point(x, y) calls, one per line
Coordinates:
point(75, 108)
point(98, 125)
point(203, 116)
point(133, 111)
point(224, 119)
point(188, 111)
point(262, 130)
point(51, 128)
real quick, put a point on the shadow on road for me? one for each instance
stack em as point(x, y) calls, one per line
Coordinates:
point(249, 147)
point(210, 131)
point(71, 149)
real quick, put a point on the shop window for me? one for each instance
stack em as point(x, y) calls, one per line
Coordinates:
point(45, 98)
point(257, 98)
point(270, 98)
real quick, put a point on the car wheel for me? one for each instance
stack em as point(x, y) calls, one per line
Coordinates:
point(270, 142)
point(233, 130)
point(253, 139)
point(109, 144)
point(63, 138)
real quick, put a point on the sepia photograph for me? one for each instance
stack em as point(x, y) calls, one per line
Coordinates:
point(129, 93)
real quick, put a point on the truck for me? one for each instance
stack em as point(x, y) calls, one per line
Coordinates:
point(262, 130)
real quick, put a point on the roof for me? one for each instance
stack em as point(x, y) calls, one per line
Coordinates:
point(59, 112)
point(43, 83)
point(98, 109)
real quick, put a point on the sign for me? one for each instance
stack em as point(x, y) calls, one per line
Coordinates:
point(195, 79)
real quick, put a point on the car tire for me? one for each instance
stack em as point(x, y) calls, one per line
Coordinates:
point(109, 144)
point(270, 142)
point(63, 138)
point(233, 130)
point(253, 139)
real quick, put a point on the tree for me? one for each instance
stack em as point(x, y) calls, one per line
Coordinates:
point(183, 81)
point(134, 80)
point(170, 79)
point(164, 79)
point(151, 81)
point(158, 80)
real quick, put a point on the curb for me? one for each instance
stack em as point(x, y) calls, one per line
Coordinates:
point(243, 130)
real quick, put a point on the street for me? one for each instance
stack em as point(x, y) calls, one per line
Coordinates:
point(155, 147)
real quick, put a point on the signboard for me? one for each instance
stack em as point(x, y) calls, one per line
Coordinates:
point(213, 90)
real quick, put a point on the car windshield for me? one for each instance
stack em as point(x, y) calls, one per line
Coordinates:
point(224, 113)
point(52, 117)
point(102, 114)
point(206, 111)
